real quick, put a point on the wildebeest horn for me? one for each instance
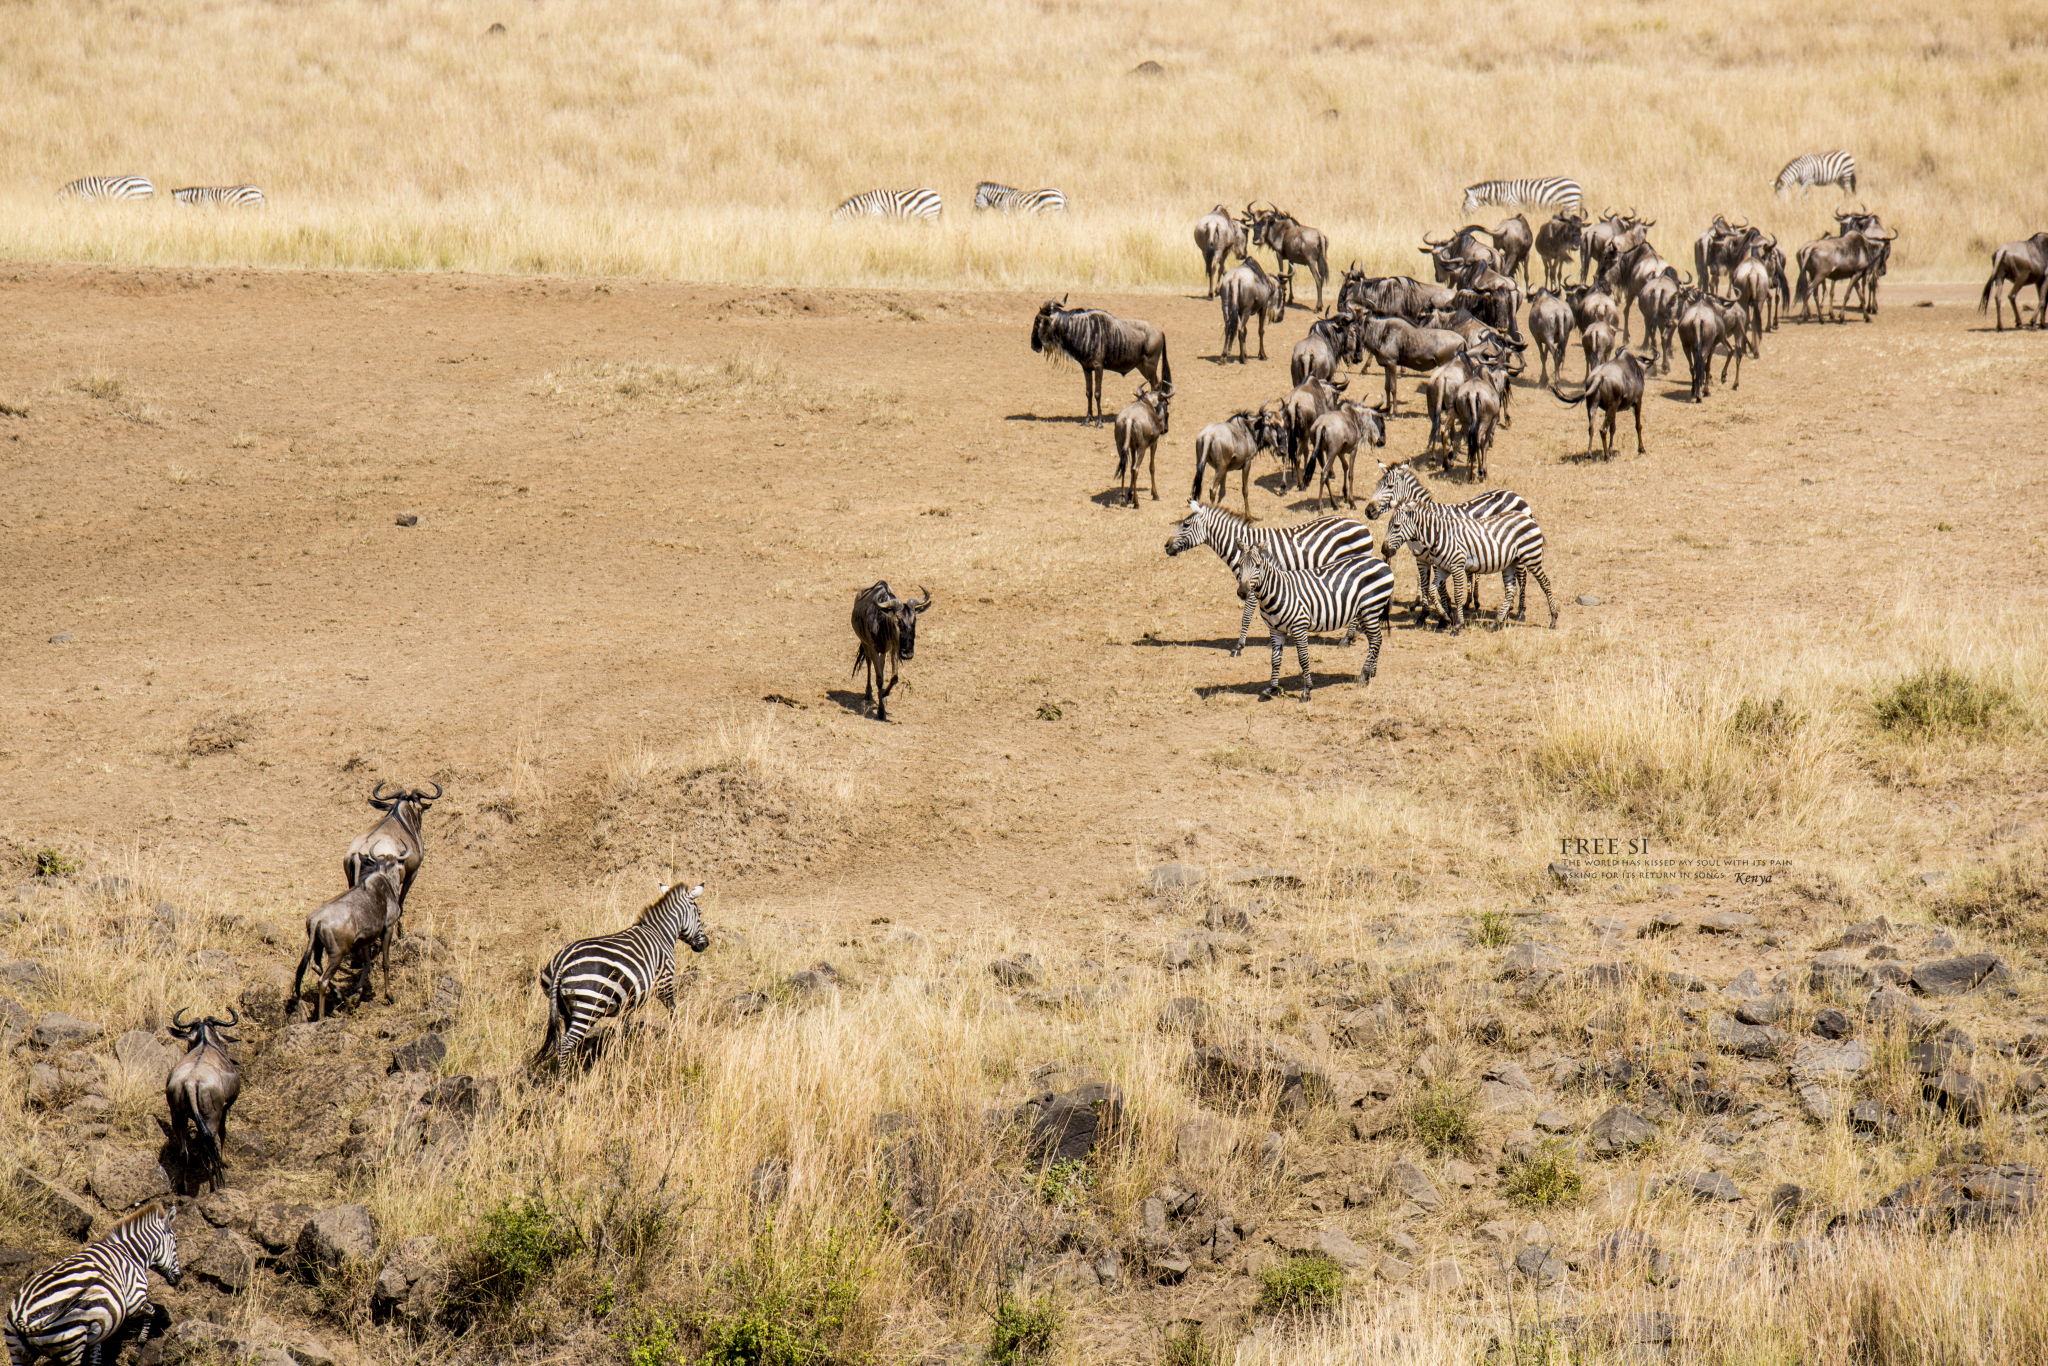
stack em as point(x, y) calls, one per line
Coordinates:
point(178, 1020)
point(920, 606)
point(437, 792)
point(377, 794)
point(233, 1019)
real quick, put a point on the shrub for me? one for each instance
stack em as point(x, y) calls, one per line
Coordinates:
point(1496, 930)
point(2008, 898)
point(806, 1307)
point(1309, 1281)
point(1066, 1183)
point(1024, 1330)
point(1189, 1348)
point(1548, 1178)
point(53, 863)
point(1765, 723)
point(1441, 1121)
point(517, 1243)
point(1942, 699)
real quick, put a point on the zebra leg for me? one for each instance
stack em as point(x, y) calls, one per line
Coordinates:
point(1543, 579)
point(1244, 628)
point(1279, 646)
point(1456, 597)
point(1375, 631)
point(1301, 653)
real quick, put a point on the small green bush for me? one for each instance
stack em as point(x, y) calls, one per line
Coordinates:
point(1943, 700)
point(1024, 1331)
point(516, 1244)
point(1765, 723)
point(1066, 1183)
point(1441, 1121)
point(1548, 1178)
point(1189, 1348)
point(53, 863)
point(1496, 930)
point(2007, 899)
point(792, 1307)
point(1308, 1281)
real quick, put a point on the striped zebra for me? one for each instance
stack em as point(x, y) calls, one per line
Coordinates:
point(892, 204)
point(1460, 546)
point(1817, 168)
point(1305, 545)
point(1352, 593)
point(108, 187)
point(240, 196)
point(1547, 192)
point(1003, 199)
point(1400, 484)
point(69, 1310)
point(610, 974)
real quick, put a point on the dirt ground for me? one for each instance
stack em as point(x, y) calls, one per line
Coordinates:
point(205, 490)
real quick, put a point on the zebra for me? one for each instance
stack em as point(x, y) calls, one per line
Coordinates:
point(1305, 545)
point(1547, 192)
point(104, 187)
point(610, 974)
point(1353, 593)
point(1400, 484)
point(1460, 546)
point(989, 195)
point(919, 203)
point(1817, 168)
point(69, 1310)
point(240, 196)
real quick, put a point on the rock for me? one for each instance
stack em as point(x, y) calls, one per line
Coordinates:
point(1830, 1062)
point(52, 1205)
point(1961, 1095)
point(1272, 1152)
point(1537, 1265)
point(1463, 1175)
point(212, 962)
point(1170, 1268)
point(1203, 1145)
point(1751, 1041)
point(1227, 919)
point(124, 1178)
point(1021, 971)
point(1409, 1182)
point(1339, 1248)
point(1295, 967)
point(1529, 960)
point(1743, 987)
point(1262, 877)
point(1873, 1117)
point(818, 977)
point(1619, 1130)
point(25, 975)
point(1931, 1057)
point(61, 638)
point(1068, 1129)
point(1186, 1014)
point(219, 1255)
point(1706, 1186)
point(146, 1061)
point(1551, 1122)
point(1836, 970)
point(1254, 1064)
point(1727, 922)
point(227, 1209)
point(743, 1005)
point(422, 1054)
point(1833, 1024)
point(408, 519)
point(1661, 922)
point(769, 1183)
point(190, 1338)
point(1109, 1269)
point(1942, 942)
point(263, 1003)
point(276, 1225)
point(1933, 877)
point(1586, 600)
point(446, 1002)
point(332, 1237)
point(1890, 1005)
point(1766, 1010)
point(1174, 877)
point(1867, 932)
point(1392, 1269)
point(56, 1030)
point(1954, 976)
point(1188, 951)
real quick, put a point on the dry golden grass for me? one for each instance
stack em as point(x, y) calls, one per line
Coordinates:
point(710, 142)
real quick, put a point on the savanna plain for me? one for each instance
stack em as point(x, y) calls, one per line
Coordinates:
point(1372, 1080)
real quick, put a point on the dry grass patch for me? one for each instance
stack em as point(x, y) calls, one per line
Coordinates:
point(755, 383)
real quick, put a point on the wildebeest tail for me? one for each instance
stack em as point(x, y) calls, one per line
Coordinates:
point(1985, 301)
point(1165, 365)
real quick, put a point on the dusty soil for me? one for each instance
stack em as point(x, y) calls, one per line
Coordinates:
point(607, 575)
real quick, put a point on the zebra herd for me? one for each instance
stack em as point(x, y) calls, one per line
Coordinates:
point(116, 189)
point(925, 204)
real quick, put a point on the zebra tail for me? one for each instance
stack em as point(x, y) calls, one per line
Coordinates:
point(557, 1022)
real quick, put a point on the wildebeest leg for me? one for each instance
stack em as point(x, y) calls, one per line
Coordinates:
point(1244, 487)
point(882, 689)
point(1639, 428)
point(1393, 393)
point(1152, 468)
point(1589, 427)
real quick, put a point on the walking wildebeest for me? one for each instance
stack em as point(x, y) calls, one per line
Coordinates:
point(2017, 265)
point(1249, 294)
point(1233, 444)
point(1218, 236)
point(1290, 240)
point(1138, 429)
point(886, 627)
point(397, 836)
point(1097, 341)
point(1614, 385)
point(200, 1090)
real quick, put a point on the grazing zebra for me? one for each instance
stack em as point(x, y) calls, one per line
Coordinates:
point(892, 204)
point(1352, 593)
point(241, 196)
point(1003, 199)
point(1817, 168)
point(70, 1309)
point(1400, 484)
point(1461, 546)
point(1305, 545)
point(1547, 192)
point(610, 974)
point(105, 187)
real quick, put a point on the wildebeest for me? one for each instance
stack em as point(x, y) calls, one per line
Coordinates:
point(1613, 234)
point(1097, 341)
point(199, 1092)
point(1218, 236)
point(349, 929)
point(1614, 385)
point(886, 628)
point(1441, 386)
point(1599, 342)
point(2017, 265)
point(1450, 254)
point(1852, 256)
point(1329, 342)
point(1592, 303)
point(1629, 269)
point(1138, 429)
point(397, 835)
point(1299, 410)
point(1291, 240)
point(1701, 329)
point(1751, 283)
point(1233, 444)
point(1403, 296)
point(1556, 241)
point(1478, 403)
point(1512, 239)
point(1721, 248)
point(1397, 344)
point(1336, 437)
point(1249, 293)
point(1550, 327)
point(1657, 299)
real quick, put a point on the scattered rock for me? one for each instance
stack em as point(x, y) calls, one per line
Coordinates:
point(1530, 960)
point(1187, 1015)
point(1272, 1152)
point(1874, 1117)
point(1830, 1062)
point(212, 962)
point(1263, 877)
point(53, 1205)
point(1706, 1187)
point(1551, 1122)
point(61, 638)
point(276, 1226)
point(1021, 971)
point(1564, 874)
point(1586, 600)
point(1174, 877)
point(1068, 1128)
point(1227, 919)
point(408, 519)
point(1619, 1130)
point(1203, 1145)
point(146, 1061)
point(422, 1054)
point(1661, 922)
point(1148, 69)
point(1537, 1265)
point(56, 1030)
point(1195, 950)
point(219, 1255)
point(1837, 970)
point(1727, 922)
point(344, 1233)
point(263, 1003)
point(1949, 1051)
point(447, 999)
point(1766, 1010)
point(1392, 1269)
point(1890, 1005)
point(124, 1178)
point(1954, 976)
point(1258, 1063)
point(1409, 1182)
point(1962, 1095)
point(1833, 1024)
point(1743, 987)
point(1933, 877)
point(1751, 1041)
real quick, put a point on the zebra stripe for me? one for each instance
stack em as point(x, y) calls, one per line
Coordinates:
point(1004, 199)
point(1546, 192)
point(892, 204)
point(1400, 484)
point(68, 1310)
point(1817, 168)
point(1460, 546)
point(101, 187)
point(1353, 593)
point(241, 196)
point(1305, 545)
point(611, 974)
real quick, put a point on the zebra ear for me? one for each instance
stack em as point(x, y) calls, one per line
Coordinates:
point(696, 891)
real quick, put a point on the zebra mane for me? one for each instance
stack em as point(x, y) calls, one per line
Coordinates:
point(668, 898)
point(142, 1216)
